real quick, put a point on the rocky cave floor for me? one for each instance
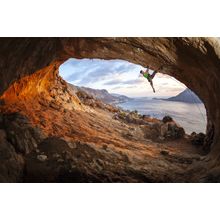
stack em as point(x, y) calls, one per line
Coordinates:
point(50, 138)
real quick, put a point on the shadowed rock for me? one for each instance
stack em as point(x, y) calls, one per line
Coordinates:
point(28, 63)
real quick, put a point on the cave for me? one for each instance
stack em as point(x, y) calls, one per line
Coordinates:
point(28, 63)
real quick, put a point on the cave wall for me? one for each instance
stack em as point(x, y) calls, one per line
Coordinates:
point(193, 61)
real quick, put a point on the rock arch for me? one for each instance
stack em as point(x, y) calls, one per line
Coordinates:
point(193, 61)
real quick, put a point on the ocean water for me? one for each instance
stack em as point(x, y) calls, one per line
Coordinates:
point(192, 117)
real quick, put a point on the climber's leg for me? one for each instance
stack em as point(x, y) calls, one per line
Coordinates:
point(156, 71)
point(153, 74)
point(151, 83)
point(152, 86)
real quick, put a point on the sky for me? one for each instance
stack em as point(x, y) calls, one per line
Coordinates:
point(118, 76)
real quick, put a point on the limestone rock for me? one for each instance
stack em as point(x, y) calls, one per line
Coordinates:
point(22, 135)
point(167, 119)
point(193, 61)
point(171, 130)
point(42, 157)
point(84, 163)
point(197, 139)
point(11, 163)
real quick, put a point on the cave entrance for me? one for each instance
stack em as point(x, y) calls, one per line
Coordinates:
point(39, 109)
point(119, 82)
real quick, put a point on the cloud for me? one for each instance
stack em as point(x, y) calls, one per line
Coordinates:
point(116, 87)
point(132, 82)
point(113, 82)
point(115, 75)
point(125, 82)
point(89, 71)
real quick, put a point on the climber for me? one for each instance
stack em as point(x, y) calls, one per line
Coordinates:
point(149, 76)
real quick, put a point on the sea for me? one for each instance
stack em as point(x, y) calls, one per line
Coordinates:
point(192, 117)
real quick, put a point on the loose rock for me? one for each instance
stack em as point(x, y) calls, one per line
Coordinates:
point(42, 157)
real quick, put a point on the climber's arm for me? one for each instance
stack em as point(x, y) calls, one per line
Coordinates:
point(147, 70)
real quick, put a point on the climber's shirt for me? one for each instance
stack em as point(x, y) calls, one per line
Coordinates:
point(147, 75)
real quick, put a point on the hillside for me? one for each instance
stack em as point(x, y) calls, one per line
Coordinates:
point(186, 96)
point(103, 95)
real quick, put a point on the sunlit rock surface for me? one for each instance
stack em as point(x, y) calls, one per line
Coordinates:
point(30, 86)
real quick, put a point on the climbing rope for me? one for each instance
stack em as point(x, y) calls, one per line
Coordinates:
point(192, 96)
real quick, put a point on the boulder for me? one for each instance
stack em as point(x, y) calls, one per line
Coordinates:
point(11, 163)
point(164, 129)
point(166, 119)
point(130, 117)
point(53, 145)
point(150, 132)
point(171, 130)
point(197, 139)
point(161, 131)
point(21, 133)
point(42, 157)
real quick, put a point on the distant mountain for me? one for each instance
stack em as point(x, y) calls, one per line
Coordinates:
point(103, 95)
point(186, 96)
point(121, 98)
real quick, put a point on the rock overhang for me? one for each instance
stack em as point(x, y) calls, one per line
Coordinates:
point(193, 61)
